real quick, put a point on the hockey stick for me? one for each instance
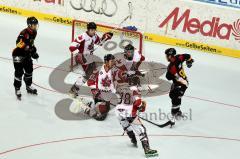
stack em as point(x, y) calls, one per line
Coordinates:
point(169, 122)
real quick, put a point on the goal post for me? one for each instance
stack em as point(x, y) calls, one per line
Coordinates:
point(121, 37)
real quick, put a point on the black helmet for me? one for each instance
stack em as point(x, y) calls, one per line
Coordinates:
point(170, 51)
point(129, 48)
point(32, 21)
point(108, 57)
point(91, 25)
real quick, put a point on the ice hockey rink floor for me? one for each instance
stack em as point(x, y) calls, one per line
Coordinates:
point(31, 129)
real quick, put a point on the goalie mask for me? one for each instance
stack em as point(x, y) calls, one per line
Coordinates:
point(134, 80)
point(129, 52)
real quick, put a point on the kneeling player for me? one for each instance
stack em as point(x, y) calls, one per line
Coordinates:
point(103, 92)
point(127, 110)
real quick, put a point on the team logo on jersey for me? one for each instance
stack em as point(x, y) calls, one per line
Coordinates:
point(106, 82)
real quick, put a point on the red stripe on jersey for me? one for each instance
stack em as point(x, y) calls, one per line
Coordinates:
point(135, 93)
point(97, 80)
point(173, 70)
point(97, 41)
point(181, 58)
point(91, 82)
point(81, 47)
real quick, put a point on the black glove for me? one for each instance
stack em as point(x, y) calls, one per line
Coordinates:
point(32, 50)
point(35, 55)
point(189, 63)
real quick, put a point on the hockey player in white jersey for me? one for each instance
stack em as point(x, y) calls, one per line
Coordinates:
point(83, 47)
point(127, 113)
point(103, 92)
point(131, 61)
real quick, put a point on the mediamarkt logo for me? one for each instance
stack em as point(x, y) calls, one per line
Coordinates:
point(212, 28)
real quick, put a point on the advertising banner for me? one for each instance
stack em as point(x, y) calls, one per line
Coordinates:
point(184, 23)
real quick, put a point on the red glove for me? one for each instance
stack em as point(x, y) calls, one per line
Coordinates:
point(142, 108)
point(107, 36)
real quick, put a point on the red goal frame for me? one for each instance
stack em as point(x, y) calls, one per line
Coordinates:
point(140, 47)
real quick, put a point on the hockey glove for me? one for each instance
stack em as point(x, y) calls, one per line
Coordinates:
point(189, 63)
point(35, 55)
point(142, 108)
point(107, 36)
point(32, 50)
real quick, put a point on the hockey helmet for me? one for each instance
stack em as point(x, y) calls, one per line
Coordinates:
point(129, 51)
point(108, 57)
point(32, 21)
point(170, 52)
point(91, 25)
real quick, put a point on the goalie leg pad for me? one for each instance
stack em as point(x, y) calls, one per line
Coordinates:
point(80, 81)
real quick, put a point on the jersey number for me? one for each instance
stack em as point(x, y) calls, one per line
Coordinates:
point(126, 97)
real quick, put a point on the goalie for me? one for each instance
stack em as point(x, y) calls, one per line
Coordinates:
point(83, 46)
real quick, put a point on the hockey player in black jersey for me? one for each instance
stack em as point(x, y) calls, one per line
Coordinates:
point(22, 57)
point(175, 72)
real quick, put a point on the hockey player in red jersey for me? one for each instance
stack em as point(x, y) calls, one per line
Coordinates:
point(175, 72)
point(83, 46)
point(127, 112)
